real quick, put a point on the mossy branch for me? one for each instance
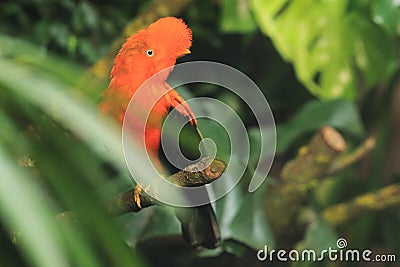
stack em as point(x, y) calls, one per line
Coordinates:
point(299, 175)
point(195, 175)
point(384, 198)
point(322, 157)
point(136, 199)
point(347, 160)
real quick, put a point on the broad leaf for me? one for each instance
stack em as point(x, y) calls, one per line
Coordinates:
point(387, 14)
point(319, 236)
point(331, 48)
point(242, 218)
point(340, 114)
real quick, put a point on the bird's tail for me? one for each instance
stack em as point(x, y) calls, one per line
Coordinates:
point(199, 226)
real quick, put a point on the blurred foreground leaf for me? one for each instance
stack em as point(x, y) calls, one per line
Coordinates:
point(63, 138)
point(32, 217)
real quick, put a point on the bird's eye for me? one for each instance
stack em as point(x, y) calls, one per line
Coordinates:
point(149, 53)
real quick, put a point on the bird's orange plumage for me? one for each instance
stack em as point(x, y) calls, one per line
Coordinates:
point(168, 38)
point(144, 54)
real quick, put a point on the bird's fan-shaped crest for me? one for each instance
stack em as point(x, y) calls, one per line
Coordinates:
point(172, 34)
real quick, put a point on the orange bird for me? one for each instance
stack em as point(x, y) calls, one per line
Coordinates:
point(142, 55)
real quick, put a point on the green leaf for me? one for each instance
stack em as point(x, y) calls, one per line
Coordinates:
point(62, 106)
point(386, 13)
point(226, 210)
point(321, 38)
point(211, 129)
point(242, 218)
point(27, 54)
point(237, 17)
point(64, 135)
point(373, 53)
point(341, 114)
point(318, 236)
point(32, 208)
point(150, 221)
point(250, 224)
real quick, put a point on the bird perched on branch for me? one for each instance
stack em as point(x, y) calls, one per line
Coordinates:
point(142, 55)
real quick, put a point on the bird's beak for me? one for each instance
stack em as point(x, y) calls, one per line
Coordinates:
point(185, 52)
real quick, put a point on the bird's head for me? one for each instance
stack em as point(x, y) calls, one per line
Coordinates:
point(167, 39)
point(155, 48)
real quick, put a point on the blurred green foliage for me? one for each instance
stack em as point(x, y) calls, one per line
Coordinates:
point(301, 53)
point(80, 29)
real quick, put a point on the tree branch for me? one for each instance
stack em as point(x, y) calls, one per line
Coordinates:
point(299, 175)
point(346, 160)
point(136, 199)
point(381, 199)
